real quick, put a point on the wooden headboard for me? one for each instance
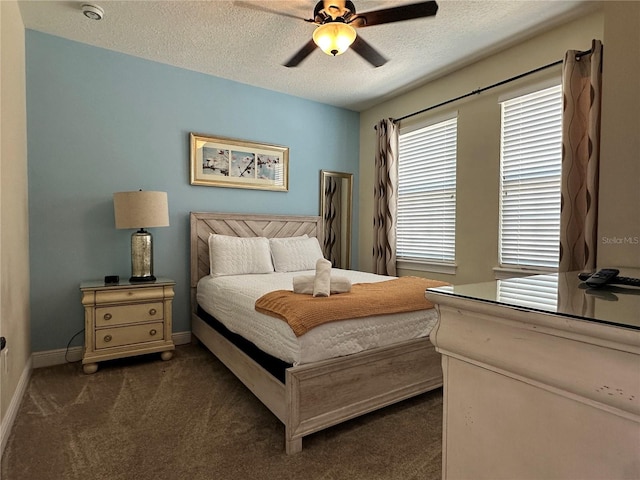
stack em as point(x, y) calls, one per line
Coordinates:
point(242, 225)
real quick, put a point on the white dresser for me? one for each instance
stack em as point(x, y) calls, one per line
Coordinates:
point(541, 379)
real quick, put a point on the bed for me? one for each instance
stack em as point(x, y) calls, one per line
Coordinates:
point(305, 394)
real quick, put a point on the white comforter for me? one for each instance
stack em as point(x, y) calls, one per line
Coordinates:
point(231, 300)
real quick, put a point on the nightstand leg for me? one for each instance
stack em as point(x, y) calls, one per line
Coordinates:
point(166, 355)
point(90, 368)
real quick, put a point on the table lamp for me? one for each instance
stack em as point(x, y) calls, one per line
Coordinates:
point(141, 210)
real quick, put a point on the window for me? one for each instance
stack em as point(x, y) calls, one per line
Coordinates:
point(531, 153)
point(427, 195)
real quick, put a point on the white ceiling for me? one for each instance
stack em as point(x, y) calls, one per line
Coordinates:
point(232, 40)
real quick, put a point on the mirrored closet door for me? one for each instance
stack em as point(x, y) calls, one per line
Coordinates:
point(336, 190)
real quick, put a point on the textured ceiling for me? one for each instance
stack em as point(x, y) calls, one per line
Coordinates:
point(239, 40)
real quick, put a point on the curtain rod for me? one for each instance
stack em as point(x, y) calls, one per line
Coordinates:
point(483, 89)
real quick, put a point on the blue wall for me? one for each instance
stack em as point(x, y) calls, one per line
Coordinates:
point(101, 122)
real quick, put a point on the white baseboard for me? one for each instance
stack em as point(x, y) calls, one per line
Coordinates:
point(58, 357)
point(7, 421)
point(181, 338)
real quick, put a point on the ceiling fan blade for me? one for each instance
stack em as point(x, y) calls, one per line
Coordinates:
point(301, 54)
point(260, 8)
point(367, 52)
point(395, 14)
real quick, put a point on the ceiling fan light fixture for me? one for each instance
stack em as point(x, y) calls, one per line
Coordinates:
point(334, 38)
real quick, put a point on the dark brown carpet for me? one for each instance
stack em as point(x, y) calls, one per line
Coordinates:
point(190, 418)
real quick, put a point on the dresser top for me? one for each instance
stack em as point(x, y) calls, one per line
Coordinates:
point(563, 294)
point(100, 285)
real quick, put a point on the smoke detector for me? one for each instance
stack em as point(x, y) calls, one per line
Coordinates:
point(94, 12)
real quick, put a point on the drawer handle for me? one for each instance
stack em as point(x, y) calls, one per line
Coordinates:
point(107, 316)
point(153, 311)
point(107, 338)
point(152, 332)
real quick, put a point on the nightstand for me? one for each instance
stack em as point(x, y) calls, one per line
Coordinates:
point(125, 320)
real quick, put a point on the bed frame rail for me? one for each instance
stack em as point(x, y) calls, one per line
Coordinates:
point(321, 394)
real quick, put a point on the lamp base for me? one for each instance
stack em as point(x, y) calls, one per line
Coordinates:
point(147, 279)
point(141, 257)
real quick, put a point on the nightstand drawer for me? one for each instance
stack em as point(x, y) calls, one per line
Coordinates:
point(120, 314)
point(130, 294)
point(116, 337)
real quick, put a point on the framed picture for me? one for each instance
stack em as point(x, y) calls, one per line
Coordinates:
point(225, 162)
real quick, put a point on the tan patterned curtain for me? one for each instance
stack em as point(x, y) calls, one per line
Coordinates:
point(582, 90)
point(385, 198)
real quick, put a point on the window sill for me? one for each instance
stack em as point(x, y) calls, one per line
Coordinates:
point(503, 273)
point(434, 267)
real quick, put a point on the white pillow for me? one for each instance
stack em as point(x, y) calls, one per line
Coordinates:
point(239, 255)
point(295, 254)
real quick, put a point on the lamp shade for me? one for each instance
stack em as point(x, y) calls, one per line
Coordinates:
point(141, 209)
point(334, 38)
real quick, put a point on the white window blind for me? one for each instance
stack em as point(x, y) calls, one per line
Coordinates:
point(531, 153)
point(427, 194)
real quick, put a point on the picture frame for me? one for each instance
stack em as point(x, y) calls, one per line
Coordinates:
point(227, 162)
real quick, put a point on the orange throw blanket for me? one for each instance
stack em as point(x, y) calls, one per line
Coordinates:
point(303, 312)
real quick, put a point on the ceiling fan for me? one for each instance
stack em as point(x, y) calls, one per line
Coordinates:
point(337, 20)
